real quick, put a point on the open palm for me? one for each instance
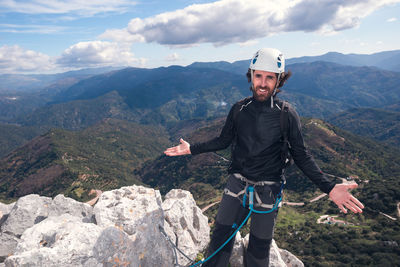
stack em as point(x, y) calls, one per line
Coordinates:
point(182, 149)
point(344, 200)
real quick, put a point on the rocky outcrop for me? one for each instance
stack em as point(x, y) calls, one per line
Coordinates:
point(121, 229)
point(124, 228)
point(186, 222)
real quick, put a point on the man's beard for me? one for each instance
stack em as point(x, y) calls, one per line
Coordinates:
point(262, 93)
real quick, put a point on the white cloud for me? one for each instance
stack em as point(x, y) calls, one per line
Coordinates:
point(76, 7)
point(391, 20)
point(15, 59)
point(172, 57)
point(42, 29)
point(248, 43)
point(121, 36)
point(240, 21)
point(98, 53)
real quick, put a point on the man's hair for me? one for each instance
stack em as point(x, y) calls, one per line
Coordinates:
point(284, 77)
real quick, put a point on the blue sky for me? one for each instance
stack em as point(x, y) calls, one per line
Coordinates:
point(40, 36)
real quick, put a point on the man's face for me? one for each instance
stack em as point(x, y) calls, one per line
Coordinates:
point(263, 84)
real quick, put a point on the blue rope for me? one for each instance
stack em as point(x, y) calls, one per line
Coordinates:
point(226, 242)
point(278, 200)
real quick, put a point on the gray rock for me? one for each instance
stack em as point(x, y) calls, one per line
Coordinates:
point(137, 211)
point(290, 259)
point(32, 209)
point(7, 245)
point(277, 257)
point(114, 248)
point(5, 208)
point(5, 211)
point(67, 241)
point(65, 205)
point(39, 231)
point(57, 241)
point(236, 259)
point(192, 232)
point(27, 211)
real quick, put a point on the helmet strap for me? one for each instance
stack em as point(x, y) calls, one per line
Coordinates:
point(276, 86)
point(252, 76)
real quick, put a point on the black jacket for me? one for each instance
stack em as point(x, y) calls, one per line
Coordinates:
point(254, 131)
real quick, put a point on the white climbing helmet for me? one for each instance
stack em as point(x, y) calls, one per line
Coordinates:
point(268, 59)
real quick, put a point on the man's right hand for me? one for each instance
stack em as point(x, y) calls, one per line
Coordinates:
point(182, 149)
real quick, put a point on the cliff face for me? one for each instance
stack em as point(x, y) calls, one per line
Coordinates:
point(122, 229)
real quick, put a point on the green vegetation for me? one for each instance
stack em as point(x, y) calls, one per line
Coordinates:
point(371, 241)
point(381, 125)
point(103, 157)
point(13, 136)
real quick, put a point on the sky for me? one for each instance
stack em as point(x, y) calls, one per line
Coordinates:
point(42, 36)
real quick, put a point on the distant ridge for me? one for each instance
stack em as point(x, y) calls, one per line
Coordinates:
point(388, 60)
point(381, 125)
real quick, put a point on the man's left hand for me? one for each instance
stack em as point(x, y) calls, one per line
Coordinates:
point(344, 200)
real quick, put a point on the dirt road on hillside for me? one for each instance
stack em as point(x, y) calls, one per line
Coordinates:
point(94, 200)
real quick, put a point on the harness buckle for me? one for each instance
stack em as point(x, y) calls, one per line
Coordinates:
point(251, 196)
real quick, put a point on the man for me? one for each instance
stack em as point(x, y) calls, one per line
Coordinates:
point(253, 127)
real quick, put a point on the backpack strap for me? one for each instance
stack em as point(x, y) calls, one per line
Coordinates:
point(240, 105)
point(287, 160)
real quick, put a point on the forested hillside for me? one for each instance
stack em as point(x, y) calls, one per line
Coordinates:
point(103, 156)
point(382, 125)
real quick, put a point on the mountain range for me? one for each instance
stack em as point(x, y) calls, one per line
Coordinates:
point(84, 131)
point(199, 91)
point(387, 60)
point(318, 89)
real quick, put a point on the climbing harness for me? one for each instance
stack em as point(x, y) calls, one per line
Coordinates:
point(245, 192)
point(248, 191)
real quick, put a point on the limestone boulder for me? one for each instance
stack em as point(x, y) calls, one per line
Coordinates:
point(236, 259)
point(57, 241)
point(275, 258)
point(290, 259)
point(7, 245)
point(137, 211)
point(192, 232)
point(5, 210)
point(65, 205)
point(32, 209)
point(26, 212)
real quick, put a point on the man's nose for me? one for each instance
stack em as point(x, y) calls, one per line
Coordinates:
point(264, 82)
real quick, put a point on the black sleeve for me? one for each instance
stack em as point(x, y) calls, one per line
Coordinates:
point(221, 142)
point(302, 156)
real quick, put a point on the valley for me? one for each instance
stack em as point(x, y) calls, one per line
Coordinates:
point(84, 133)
